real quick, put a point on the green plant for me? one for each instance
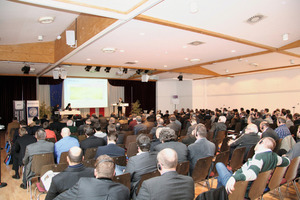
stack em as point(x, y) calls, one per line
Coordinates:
point(45, 110)
point(135, 108)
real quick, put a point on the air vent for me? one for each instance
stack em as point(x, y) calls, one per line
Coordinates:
point(130, 63)
point(256, 18)
point(195, 43)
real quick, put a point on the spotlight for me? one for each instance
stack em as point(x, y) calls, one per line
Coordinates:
point(146, 71)
point(107, 69)
point(125, 70)
point(26, 69)
point(180, 77)
point(88, 68)
point(139, 71)
point(97, 69)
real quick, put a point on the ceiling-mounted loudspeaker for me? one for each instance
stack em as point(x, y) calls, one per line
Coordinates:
point(55, 74)
point(63, 73)
point(70, 37)
point(145, 78)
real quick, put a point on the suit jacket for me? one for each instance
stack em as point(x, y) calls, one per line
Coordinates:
point(38, 147)
point(270, 133)
point(20, 146)
point(246, 140)
point(202, 148)
point(91, 142)
point(180, 148)
point(174, 126)
point(111, 150)
point(67, 179)
point(190, 129)
point(218, 126)
point(95, 189)
point(32, 130)
point(138, 128)
point(169, 186)
point(140, 164)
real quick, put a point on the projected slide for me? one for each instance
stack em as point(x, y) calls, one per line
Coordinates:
point(85, 93)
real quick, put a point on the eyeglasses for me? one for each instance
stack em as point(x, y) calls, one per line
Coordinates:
point(260, 142)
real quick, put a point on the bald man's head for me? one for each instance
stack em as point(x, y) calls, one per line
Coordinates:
point(75, 155)
point(167, 158)
point(65, 132)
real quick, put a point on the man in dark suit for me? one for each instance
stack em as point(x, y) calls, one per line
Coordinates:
point(170, 185)
point(39, 147)
point(168, 138)
point(139, 126)
point(201, 148)
point(18, 150)
point(218, 126)
point(101, 187)
point(111, 149)
point(70, 176)
point(143, 162)
point(173, 125)
point(33, 129)
point(267, 131)
point(91, 140)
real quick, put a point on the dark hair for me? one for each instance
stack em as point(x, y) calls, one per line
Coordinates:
point(97, 126)
point(46, 125)
point(112, 135)
point(40, 134)
point(167, 134)
point(143, 142)
point(89, 131)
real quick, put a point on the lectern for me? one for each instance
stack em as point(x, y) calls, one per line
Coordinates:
point(120, 104)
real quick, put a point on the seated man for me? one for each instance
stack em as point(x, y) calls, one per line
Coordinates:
point(70, 176)
point(267, 131)
point(218, 126)
point(143, 162)
point(64, 144)
point(282, 130)
point(263, 160)
point(91, 141)
point(139, 126)
point(168, 140)
point(201, 148)
point(101, 187)
point(39, 147)
point(170, 185)
point(249, 139)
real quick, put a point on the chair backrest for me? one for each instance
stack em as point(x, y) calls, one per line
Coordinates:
point(90, 153)
point(238, 127)
point(210, 136)
point(145, 177)
point(224, 146)
point(291, 172)
point(183, 132)
point(129, 139)
point(123, 179)
point(250, 153)
point(63, 157)
point(89, 163)
point(39, 160)
point(278, 144)
point(222, 157)
point(54, 167)
point(120, 160)
point(239, 191)
point(50, 140)
point(183, 168)
point(237, 158)
point(124, 127)
point(132, 149)
point(201, 169)
point(277, 177)
point(259, 185)
point(81, 138)
point(220, 136)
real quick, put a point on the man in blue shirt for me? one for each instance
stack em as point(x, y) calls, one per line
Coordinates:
point(282, 130)
point(64, 144)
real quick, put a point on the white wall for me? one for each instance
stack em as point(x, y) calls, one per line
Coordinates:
point(278, 89)
point(165, 89)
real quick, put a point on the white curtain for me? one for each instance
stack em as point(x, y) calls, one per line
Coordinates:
point(114, 93)
point(44, 94)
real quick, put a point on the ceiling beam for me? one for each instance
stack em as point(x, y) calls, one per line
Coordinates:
point(291, 45)
point(253, 71)
point(41, 52)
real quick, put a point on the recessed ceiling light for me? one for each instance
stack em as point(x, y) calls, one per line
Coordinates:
point(256, 18)
point(122, 51)
point(58, 37)
point(253, 64)
point(46, 20)
point(186, 58)
point(233, 51)
point(40, 38)
point(184, 47)
point(292, 61)
point(142, 34)
point(240, 59)
point(88, 59)
point(165, 65)
point(195, 60)
point(109, 50)
point(226, 70)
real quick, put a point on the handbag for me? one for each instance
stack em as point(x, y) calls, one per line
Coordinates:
point(7, 159)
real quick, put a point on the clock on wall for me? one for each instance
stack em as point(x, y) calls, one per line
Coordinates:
point(32, 112)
